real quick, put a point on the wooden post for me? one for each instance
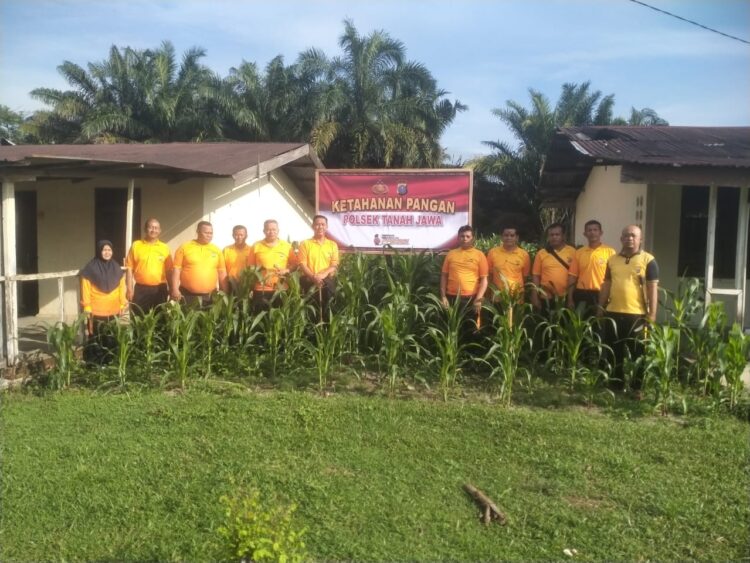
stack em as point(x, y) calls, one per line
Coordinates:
point(740, 261)
point(9, 270)
point(713, 196)
point(129, 217)
point(61, 297)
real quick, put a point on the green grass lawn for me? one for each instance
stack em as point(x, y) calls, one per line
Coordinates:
point(89, 476)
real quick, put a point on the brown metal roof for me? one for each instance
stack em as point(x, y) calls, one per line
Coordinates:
point(654, 154)
point(220, 159)
point(685, 146)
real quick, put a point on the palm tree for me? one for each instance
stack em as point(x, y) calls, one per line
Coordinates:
point(380, 110)
point(136, 95)
point(509, 176)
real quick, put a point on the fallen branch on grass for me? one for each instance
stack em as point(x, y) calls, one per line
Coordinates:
point(490, 511)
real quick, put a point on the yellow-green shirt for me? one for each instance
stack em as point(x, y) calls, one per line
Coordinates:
point(589, 266)
point(318, 256)
point(628, 277)
point(149, 262)
point(509, 268)
point(269, 258)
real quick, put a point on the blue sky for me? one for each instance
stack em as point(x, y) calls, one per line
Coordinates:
point(482, 52)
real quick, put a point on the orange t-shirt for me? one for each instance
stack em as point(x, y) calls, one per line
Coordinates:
point(464, 268)
point(553, 275)
point(101, 304)
point(235, 259)
point(280, 255)
point(589, 266)
point(509, 268)
point(199, 266)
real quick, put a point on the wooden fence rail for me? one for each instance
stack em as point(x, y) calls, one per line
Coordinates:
point(9, 320)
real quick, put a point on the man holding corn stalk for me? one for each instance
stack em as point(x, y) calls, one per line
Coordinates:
point(276, 259)
point(319, 259)
point(629, 296)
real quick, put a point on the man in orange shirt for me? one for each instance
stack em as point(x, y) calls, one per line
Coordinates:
point(318, 260)
point(276, 259)
point(235, 257)
point(509, 265)
point(551, 269)
point(147, 263)
point(198, 268)
point(463, 277)
point(587, 270)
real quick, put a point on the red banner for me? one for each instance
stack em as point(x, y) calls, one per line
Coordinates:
point(370, 210)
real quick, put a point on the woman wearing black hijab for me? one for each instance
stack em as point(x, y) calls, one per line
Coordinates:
point(102, 296)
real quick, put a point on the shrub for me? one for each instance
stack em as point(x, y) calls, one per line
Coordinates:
point(253, 532)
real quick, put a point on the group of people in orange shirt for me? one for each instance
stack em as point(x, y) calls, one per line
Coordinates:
point(151, 277)
point(594, 278)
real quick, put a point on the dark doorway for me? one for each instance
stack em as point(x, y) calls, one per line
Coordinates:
point(109, 223)
point(26, 253)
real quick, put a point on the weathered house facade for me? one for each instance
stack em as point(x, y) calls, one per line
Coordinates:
point(59, 199)
point(687, 187)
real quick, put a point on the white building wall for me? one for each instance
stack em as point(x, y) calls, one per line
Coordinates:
point(610, 202)
point(273, 196)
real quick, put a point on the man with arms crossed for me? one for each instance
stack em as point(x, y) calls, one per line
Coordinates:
point(629, 295)
point(551, 268)
point(275, 257)
point(147, 264)
point(587, 270)
point(319, 259)
point(235, 257)
point(198, 268)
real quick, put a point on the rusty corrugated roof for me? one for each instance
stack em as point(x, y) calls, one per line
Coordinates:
point(221, 159)
point(684, 146)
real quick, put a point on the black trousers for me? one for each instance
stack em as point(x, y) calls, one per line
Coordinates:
point(198, 300)
point(625, 334)
point(148, 297)
point(471, 323)
point(321, 296)
point(588, 300)
point(264, 300)
point(101, 345)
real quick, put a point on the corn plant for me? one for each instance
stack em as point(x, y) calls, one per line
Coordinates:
point(391, 328)
point(122, 332)
point(325, 349)
point(353, 296)
point(182, 325)
point(284, 327)
point(147, 343)
point(661, 364)
point(732, 364)
point(506, 345)
point(683, 306)
point(61, 338)
point(444, 341)
point(707, 343)
point(574, 345)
